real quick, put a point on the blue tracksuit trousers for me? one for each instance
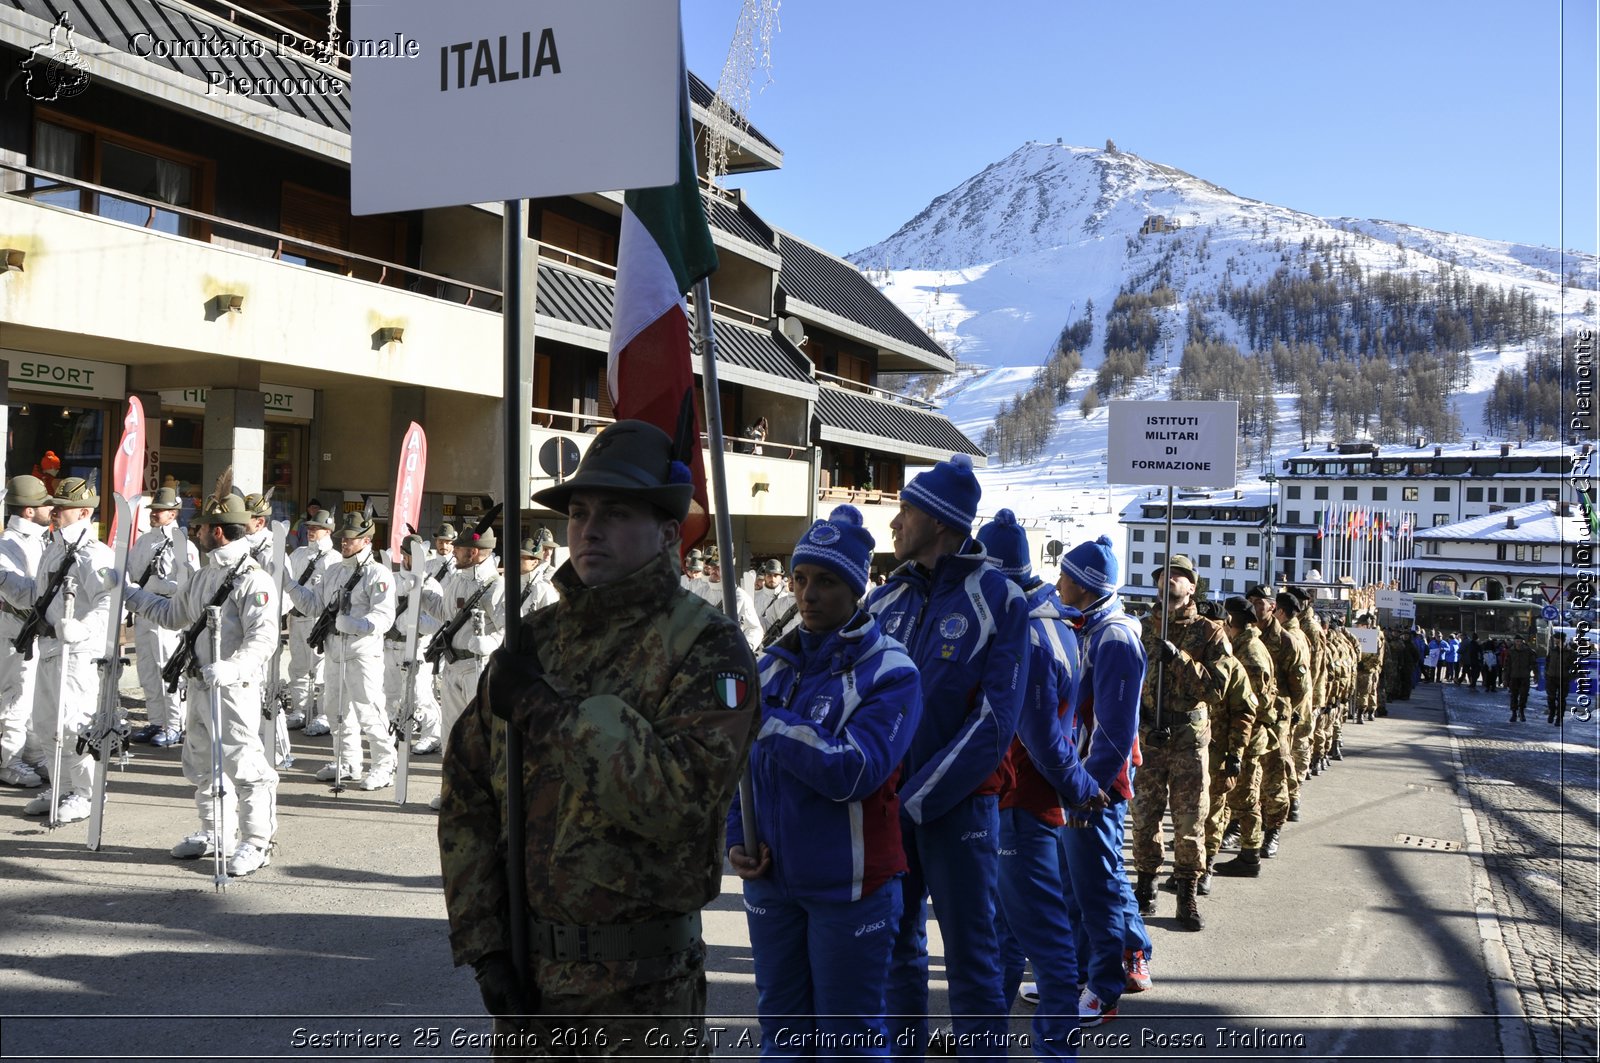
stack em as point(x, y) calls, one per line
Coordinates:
point(954, 861)
point(1035, 904)
point(1106, 916)
point(821, 969)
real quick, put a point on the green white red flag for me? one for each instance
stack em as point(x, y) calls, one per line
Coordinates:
point(665, 248)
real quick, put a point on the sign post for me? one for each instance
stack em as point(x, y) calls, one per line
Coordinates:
point(1187, 444)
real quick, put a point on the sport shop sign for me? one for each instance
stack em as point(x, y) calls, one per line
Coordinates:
point(512, 99)
point(1179, 444)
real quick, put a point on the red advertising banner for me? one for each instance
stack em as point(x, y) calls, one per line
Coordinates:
point(127, 468)
point(406, 510)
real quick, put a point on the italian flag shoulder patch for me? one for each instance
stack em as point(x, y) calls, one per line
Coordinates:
point(730, 689)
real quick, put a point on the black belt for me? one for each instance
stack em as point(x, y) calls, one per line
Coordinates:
point(624, 941)
point(1173, 717)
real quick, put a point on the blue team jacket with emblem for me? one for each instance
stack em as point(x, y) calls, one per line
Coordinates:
point(1042, 770)
point(837, 715)
point(965, 626)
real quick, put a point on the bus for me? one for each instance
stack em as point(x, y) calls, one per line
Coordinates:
point(1503, 618)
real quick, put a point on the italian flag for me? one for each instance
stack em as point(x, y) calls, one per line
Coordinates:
point(665, 248)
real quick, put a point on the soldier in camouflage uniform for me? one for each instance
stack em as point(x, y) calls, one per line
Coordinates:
point(1369, 666)
point(1291, 667)
point(1520, 665)
point(1305, 727)
point(1560, 665)
point(1348, 655)
point(636, 700)
point(1232, 725)
point(1244, 800)
point(1174, 732)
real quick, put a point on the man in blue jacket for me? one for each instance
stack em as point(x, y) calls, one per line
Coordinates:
point(966, 627)
point(1104, 729)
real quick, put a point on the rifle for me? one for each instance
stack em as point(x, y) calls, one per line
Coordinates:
point(172, 671)
point(317, 639)
point(155, 562)
point(439, 647)
point(34, 624)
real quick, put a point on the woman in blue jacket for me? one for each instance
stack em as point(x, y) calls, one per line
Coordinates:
point(840, 701)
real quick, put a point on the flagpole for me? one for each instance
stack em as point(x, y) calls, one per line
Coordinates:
point(515, 494)
point(706, 336)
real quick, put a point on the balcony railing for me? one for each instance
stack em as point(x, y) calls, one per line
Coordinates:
point(589, 423)
point(421, 282)
point(876, 392)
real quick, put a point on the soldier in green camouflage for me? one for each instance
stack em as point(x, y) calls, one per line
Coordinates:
point(636, 701)
point(1560, 665)
point(1291, 667)
point(1232, 725)
point(1305, 729)
point(1244, 800)
point(1174, 733)
point(1340, 697)
point(1519, 669)
point(1369, 667)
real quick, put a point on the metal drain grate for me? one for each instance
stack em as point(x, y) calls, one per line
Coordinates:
point(1416, 841)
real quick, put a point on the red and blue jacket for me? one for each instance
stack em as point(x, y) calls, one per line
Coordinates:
point(1042, 770)
point(1105, 728)
point(837, 715)
point(966, 627)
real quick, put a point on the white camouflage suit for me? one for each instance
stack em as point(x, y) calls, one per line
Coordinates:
point(21, 547)
point(91, 605)
point(154, 644)
point(353, 670)
point(458, 680)
point(248, 638)
point(394, 675)
point(305, 664)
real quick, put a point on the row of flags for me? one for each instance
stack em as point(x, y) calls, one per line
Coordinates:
point(1365, 544)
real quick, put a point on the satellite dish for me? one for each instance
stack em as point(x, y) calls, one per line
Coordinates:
point(794, 330)
point(558, 457)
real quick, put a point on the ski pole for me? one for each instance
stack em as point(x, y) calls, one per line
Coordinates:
point(219, 800)
point(69, 589)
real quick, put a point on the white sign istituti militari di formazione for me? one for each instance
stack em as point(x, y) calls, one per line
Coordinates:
point(1177, 444)
point(510, 99)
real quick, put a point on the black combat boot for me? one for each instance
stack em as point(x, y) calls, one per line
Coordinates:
point(1337, 752)
point(1144, 891)
point(1294, 810)
point(1230, 837)
point(1246, 865)
point(1269, 842)
point(1316, 765)
point(1202, 885)
point(1188, 907)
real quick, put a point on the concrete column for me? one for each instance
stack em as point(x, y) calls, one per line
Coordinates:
point(5, 414)
point(235, 435)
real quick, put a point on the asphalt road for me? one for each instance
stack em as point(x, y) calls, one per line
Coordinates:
point(1374, 933)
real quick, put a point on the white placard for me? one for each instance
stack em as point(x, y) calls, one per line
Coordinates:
point(28, 371)
point(1366, 638)
point(510, 99)
point(1401, 605)
point(1182, 444)
point(277, 400)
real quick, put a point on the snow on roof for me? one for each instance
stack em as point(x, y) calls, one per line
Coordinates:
point(1538, 522)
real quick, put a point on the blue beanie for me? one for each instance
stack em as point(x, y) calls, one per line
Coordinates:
point(841, 544)
point(1092, 566)
point(1007, 543)
point(949, 492)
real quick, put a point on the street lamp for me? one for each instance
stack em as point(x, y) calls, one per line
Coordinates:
point(1270, 546)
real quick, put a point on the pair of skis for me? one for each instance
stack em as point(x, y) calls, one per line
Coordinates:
point(274, 729)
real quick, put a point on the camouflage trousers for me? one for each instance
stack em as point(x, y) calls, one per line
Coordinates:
point(1322, 734)
point(663, 1019)
point(1367, 692)
point(1302, 746)
point(1277, 772)
point(1244, 800)
point(1220, 787)
point(1173, 775)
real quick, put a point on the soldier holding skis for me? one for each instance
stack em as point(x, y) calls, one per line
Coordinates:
point(306, 568)
point(395, 671)
point(234, 582)
point(21, 549)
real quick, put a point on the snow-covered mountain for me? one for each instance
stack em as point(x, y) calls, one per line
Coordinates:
point(997, 266)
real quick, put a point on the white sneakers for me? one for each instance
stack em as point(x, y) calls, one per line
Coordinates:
point(424, 746)
point(72, 808)
point(18, 773)
point(327, 771)
point(1029, 992)
point(247, 858)
point(317, 725)
point(200, 843)
point(378, 778)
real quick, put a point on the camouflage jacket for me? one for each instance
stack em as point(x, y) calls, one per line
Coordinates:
point(1520, 661)
point(1560, 662)
point(1191, 681)
point(1234, 714)
point(1291, 665)
point(1249, 651)
point(1315, 635)
point(636, 733)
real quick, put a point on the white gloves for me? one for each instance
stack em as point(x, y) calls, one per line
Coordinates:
point(345, 624)
point(483, 645)
point(480, 622)
point(220, 674)
point(71, 631)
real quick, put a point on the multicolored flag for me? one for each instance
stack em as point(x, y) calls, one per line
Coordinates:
point(665, 248)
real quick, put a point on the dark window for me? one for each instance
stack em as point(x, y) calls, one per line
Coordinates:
point(1350, 493)
point(1380, 494)
point(1319, 492)
point(1441, 494)
point(1474, 494)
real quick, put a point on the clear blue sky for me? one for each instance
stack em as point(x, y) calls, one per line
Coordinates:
point(1445, 115)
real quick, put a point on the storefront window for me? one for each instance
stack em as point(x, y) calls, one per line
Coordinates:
point(54, 442)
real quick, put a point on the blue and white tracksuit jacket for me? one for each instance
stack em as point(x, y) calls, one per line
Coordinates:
point(1042, 770)
point(965, 625)
point(1106, 723)
point(838, 713)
